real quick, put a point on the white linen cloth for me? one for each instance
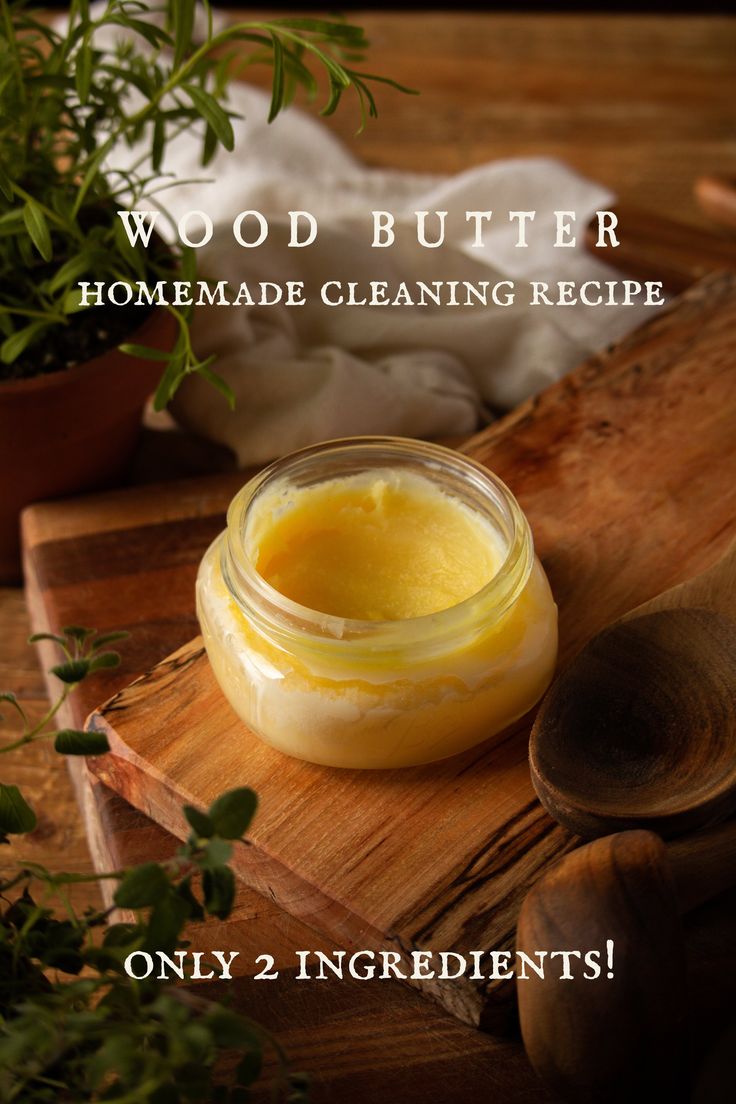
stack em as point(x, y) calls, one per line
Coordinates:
point(303, 374)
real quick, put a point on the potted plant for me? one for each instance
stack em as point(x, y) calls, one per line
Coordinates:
point(77, 1021)
point(73, 380)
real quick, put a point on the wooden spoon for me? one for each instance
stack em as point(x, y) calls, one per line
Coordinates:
point(640, 729)
point(618, 1038)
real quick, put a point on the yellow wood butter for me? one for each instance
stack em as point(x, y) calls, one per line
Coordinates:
point(377, 603)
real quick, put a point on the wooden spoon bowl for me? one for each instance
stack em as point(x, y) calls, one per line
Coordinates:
point(640, 729)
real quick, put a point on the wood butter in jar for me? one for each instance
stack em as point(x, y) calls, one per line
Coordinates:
point(376, 602)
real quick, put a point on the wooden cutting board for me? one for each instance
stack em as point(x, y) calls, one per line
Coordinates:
point(627, 472)
point(127, 559)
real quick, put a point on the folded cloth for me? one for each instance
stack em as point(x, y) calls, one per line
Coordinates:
point(309, 373)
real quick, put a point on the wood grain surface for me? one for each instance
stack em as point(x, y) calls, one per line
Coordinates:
point(623, 503)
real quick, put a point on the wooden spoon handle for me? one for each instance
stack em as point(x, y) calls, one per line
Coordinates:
point(717, 197)
point(653, 247)
point(703, 865)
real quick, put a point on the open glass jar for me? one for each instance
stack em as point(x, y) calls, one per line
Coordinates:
point(379, 691)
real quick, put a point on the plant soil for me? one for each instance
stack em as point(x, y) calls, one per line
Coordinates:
point(89, 333)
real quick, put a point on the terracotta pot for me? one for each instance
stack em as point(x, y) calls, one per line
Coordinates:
point(73, 430)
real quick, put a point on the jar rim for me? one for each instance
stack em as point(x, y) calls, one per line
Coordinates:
point(283, 619)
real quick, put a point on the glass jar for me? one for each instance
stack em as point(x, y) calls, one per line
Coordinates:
point(378, 693)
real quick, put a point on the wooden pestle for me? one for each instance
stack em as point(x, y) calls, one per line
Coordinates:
point(619, 1039)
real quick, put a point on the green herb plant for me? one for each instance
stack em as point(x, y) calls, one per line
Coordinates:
point(67, 103)
point(74, 1026)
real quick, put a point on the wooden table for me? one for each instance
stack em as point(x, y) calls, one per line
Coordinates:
point(641, 103)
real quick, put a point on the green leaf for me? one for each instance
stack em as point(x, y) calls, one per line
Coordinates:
point(212, 113)
point(72, 269)
point(142, 886)
point(209, 146)
point(38, 228)
point(168, 917)
point(184, 890)
point(72, 741)
point(16, 815)
point(83, 75)
point(173, 373)
point(217, 382)
point(277, 87)
point(72, 672)
point(348, 34)
point(216, 853)
point(249, 1068)
point(121, 935)
point(232, 812)
point(144, 352)
point(155, 36)
point(158, 144)
point(73, 301)
point(19, 341)
point(67, 960)
point(336, 91)
point(200, 822)
point(46, 636)
point(78, 632)
point(6, 184)
point(110, 638)
point(104, 661)
point(229, 1030)
point(118, 1056)
point(183, 29)
point(218, 886)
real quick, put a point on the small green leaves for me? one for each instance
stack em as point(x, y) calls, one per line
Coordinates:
point(72, 671)
point(38, 228)
point(104, 661)
point(98, 1031)
point(231, 813)
point(16, 815)
point(142, 886)
point(218, 886)
point(200, 822)
point(83, 649)
point(71, 741)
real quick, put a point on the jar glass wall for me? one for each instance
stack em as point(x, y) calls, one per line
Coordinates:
point(376, 691)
